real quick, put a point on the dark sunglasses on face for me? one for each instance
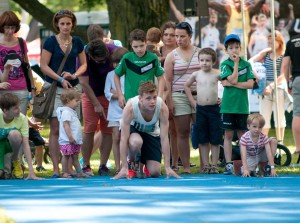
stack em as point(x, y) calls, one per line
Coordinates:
point(184, 25)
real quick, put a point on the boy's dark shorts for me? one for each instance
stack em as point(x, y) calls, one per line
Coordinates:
point(234, 121)
point(208, 120)
point(151, 148)
point(36, 137)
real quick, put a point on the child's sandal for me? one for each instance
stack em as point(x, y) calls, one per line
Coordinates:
point(205, 169)
point(214, 169)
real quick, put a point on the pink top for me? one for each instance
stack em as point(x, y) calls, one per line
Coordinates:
point(14, 56)
point(180, 66)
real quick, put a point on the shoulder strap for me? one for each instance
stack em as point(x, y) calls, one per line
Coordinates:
point(195, 50)
point(62, 64)
point(21, 43)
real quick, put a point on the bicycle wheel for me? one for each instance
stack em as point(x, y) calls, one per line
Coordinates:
point(283, 156)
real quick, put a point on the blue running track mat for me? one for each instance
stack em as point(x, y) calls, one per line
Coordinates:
point(193, 198)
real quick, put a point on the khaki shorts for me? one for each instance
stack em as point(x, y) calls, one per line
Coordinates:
point(181, 104)
point(253, 161)
point(58, 102)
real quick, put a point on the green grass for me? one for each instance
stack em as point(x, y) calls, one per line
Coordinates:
point(288, 141)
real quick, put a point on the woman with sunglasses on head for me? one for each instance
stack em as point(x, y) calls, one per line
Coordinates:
point(53, 52)
point(179, 65)
point(11, 57)
point(267, 100)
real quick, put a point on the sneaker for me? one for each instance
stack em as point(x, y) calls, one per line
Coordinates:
point(267, 169)
point(87, 170)
point(132, 167)
point(40, 169)
point(228, 169)
point(146, 171)
point(17, 170)
point(103, 170)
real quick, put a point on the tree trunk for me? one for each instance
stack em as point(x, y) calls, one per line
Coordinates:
point(126, 15)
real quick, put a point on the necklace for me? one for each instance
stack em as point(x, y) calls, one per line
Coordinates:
point(63, 43)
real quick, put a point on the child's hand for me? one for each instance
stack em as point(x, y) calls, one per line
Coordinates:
point(4, 85)
point(226, 83)
point(8, 67)
point(122, 101)
point(235, 58)
point(72, 140)
point(273, 172)
point(246, 173)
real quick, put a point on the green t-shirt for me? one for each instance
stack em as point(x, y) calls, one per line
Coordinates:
point(136, 70)
point(20, 123)
point(235, 100)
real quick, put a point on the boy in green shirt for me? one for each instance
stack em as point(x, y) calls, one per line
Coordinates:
point(138, 66)
point(237, 77)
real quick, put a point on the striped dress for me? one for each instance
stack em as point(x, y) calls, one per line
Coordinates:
point(180, 66)
point(269, 67)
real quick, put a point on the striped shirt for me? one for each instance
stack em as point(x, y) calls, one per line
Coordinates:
point(269, 67)
point(252, 148)
point(180, 66)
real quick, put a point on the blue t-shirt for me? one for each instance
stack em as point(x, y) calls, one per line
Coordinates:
point(53, 47)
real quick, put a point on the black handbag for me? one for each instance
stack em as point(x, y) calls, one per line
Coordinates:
point(25, 65)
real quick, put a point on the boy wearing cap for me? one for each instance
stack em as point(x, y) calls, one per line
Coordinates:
point(236, 77)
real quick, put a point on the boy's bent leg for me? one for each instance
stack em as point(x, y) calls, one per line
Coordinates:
point(154, 168)
point(15, 141)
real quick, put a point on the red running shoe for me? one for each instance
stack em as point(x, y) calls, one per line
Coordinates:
point(146, 171)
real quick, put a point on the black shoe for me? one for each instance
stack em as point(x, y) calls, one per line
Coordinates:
point(40, 169)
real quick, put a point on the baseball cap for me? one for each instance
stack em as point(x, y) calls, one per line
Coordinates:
point(232, 37)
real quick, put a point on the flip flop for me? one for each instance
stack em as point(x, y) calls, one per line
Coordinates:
point(55, 176)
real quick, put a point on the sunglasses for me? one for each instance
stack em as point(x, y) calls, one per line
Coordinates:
point(64, 12)
point(184, 25)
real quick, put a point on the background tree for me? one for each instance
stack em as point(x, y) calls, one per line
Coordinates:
point(124, 15)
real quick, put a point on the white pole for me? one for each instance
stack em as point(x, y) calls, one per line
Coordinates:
point(274, 68)
point(244, 28)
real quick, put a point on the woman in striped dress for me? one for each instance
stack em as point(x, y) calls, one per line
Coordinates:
point(267, 100)
point(179, 65)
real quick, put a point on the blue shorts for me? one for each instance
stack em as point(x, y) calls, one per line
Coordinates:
point(151, 148)
point(234, 121)
point(208, 121)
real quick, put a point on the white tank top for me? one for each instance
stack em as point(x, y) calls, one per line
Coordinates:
point(151, 127)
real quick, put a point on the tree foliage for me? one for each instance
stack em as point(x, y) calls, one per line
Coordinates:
point(124, 15)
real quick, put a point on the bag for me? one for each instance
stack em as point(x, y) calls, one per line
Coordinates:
point(25, 66)
point(43, 103)
point(260, 85)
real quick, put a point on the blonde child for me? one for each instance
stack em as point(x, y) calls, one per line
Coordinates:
point(257, 148)
point(70, 134)
point(208, 117)
point(114, 113)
